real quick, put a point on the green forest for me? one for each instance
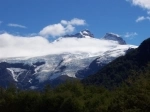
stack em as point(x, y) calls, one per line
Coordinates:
point(76, 97)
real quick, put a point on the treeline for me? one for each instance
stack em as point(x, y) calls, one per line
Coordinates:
point(75, 97)
point(68, 97)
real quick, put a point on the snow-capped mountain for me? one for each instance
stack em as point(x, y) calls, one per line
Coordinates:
point(114, 37)
point(34, 72)
point(82, 34)
point(103, 59)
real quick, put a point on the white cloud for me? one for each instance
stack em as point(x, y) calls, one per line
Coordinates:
point(74, 21)
point(62, 28)
point(142, 3)
point(64, 22)
point(77, 21)
point(142, 18)
point(16, 25)
point(130, 35)
point(18, 46)
point(69, 29)
point(53, 30)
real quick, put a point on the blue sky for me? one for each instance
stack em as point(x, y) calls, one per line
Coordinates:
point(128, 18)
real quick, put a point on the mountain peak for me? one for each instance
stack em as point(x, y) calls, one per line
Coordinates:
point(82, 34)
point(145, 46)
point(86, 32)
point(112, 34)
point(144, 51)
point(114, 37)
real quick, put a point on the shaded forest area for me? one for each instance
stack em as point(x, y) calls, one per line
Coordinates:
point(76, 97)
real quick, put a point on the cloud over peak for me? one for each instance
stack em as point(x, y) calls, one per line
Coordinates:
point(31, 46)
point(62, 28)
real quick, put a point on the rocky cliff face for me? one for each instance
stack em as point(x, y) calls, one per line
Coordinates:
point(114, 37)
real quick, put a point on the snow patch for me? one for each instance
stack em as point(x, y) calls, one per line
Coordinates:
point(85, 32)
point(15, 72)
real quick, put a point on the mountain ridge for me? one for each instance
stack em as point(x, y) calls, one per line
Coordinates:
point(82, 34)
point(124, 69)
point(114, 37)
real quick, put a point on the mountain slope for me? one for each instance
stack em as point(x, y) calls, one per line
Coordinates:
point(123, 69)
point(114, 37)
point(75, 57)
point(103, 60)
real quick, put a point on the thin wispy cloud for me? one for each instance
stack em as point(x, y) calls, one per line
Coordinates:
point(130, 35)
point(62, 28)
point(16, 25)
point(142, 18)
point(148, 12)
point(1, 22)
point(74, 21)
